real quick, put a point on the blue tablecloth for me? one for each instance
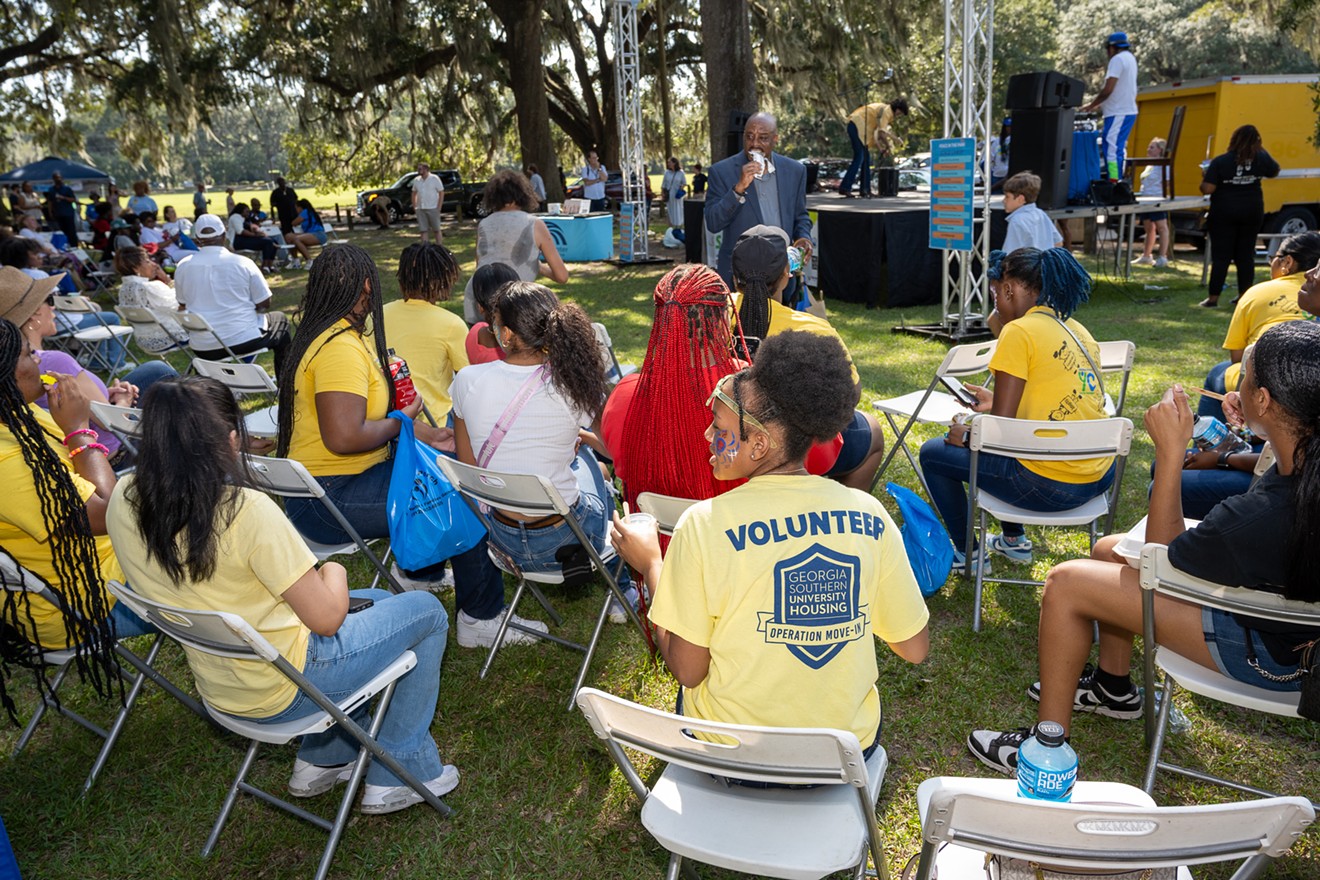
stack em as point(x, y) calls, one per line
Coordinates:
point(582, 238)
point(1085, 164)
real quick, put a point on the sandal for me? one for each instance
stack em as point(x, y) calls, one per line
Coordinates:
point(1209, 303)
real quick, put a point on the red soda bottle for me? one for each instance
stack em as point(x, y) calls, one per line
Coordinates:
point(404, 390)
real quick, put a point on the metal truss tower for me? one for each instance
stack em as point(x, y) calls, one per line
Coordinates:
point(634, 242)
point(968, 65)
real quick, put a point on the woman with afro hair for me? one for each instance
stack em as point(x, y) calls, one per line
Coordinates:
point(788, 574)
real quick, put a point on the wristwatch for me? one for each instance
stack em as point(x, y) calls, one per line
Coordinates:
point(1223, 461)
point(742, 199)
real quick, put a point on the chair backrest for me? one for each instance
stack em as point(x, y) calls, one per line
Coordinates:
point(284, 477)
point(1043, 440)
point(212, 632)
point(526, 494)
point(786, 755)
point(1266, 460)
point(1158, 574)
point(1109, 837)
point(1175, 132)
point(665, 508)
point(238, 377)
point(14, 578)
point(68, 303)
point(140, 318)
point(125, 421)
point(967, 360)
point(195, 323)
point(606, 345)
point(1117, 355)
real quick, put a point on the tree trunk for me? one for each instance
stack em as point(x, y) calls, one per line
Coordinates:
point(523, 54)
point(730, 72)
point(664, 81)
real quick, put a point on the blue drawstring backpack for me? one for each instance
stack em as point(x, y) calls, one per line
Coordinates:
point(429, 520)
point(929, 550)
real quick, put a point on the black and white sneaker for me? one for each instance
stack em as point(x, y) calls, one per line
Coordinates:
point(1092, 697)
point(998, 748)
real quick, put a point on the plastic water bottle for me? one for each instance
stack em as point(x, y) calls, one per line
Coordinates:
point(404, 390)
point(1210, 434)
point(1047, 765)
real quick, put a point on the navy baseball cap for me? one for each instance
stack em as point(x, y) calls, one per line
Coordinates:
point(1118, 40)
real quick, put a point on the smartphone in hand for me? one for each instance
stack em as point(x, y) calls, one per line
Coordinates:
point(358, 603)
point(965, 397)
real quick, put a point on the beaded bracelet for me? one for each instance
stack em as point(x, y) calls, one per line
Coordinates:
point(77, 449)
point(81, 432)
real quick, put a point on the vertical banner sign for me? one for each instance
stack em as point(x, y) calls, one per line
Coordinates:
point(952, 171)
point(626, 231)
point(812, 273)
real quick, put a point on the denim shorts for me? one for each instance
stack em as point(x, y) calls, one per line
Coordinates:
point(856, 444)
point(1227, 641)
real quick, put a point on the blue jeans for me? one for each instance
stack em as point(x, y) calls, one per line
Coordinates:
point(947, 468)
point(1214, 381)
point(534, 549)
point(1227, 641)
point(861, 162)
point(111, 351)
point(365, 643)
point(126, 624)
point(148, 374)
point(1202, 490)
point(478, 584)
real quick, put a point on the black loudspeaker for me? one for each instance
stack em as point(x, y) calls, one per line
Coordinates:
point(813, 176)
point(1042, 91)
point(1042, 144)
point(737, 122)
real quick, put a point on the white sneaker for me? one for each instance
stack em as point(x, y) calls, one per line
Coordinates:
point(410, 584)
point(1161, 262)
point(1143, 260)
point(295, 264)
point(617, 612)
point(380, 799)
point(474, 633)
point(309, 780)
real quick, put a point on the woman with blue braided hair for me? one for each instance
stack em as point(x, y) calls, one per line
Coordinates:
point(1044, 369)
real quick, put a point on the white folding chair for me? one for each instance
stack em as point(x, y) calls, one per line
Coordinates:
point(1108, 828)
point(289, 479)
point(614, 371)
point(931, 407)
point(775, 832)
point(665, 508)
point(1117, 357)
point(16, 579)
point(535, 496)
point(146, 325)
point(195, 323)
point(91, 337)
point(332, 235)
point(125, 422)
point(100, 278)
point(1028, 440)
point(243, 379)
point(1159, 576)
point(221, 634)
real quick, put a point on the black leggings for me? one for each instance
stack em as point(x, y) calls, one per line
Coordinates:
point(256, 243)
point(1233, 240)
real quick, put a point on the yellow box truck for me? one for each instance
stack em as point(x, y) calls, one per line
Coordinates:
point(1282, 107)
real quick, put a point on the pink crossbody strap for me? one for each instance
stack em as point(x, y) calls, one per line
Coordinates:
point(510, 414)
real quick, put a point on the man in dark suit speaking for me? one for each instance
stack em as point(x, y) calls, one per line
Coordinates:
point(757, 186)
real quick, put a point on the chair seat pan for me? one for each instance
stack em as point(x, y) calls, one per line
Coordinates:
point(1077, 516)
point(264, 422)
point(322, 552)
point(100, 334)
point(761, 831)
point(545, 577)
point(1211, 683)
point(320, 721)
point(940, 408)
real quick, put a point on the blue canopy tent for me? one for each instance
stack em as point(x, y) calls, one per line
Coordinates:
point(75, 174)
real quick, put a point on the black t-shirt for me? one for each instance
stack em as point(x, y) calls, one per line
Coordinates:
point(284, 200)
point(1237, 186)
point(698, 183)
point(1243, 542)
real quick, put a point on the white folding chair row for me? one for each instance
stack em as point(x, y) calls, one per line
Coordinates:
point(244, 379)
point(614, 371)
point(90, 338)
point(125, 422)
point(1028, 440)
point(195, 323)
point(1159, 576)
point(221, 634)
point(536, 497)
point(1117, 357)
point(145, 324)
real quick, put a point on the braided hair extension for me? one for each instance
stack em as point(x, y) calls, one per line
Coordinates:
point(77, 585)
point(1059, 280)
point(994, 269)
point(1284, 362)
point(689, 352)
point(562, 331)
point(758, 264)
point(334, 287)
point(427, 271)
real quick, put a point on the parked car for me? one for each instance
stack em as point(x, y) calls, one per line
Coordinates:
point(614, 190)
point(829, 173)
point(399, 195)
point(914, 172)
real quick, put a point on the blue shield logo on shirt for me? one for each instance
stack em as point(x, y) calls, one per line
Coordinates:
point(817, 605)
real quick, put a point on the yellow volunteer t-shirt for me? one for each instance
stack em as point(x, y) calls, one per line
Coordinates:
point(1061, 385)
point(260, 556)
point(786, 579)
point(783, 319)
point(431, 339)
point(340, 359)
point(24, 534)
point(1261, 307)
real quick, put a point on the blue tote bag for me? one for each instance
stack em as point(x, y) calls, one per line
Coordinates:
point(429, 520)
point(929, 550)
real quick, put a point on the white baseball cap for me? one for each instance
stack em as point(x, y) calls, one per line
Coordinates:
point(208, 226)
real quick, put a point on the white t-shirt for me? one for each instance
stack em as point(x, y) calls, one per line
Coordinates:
point(174, 227)
point(1122, 101)
point(1029, 226)
point(428, 191)
point(150, 235)
point(223, 288)
point(542, 439)
point(235, 227)
point(590, 189)
point(1152, 181)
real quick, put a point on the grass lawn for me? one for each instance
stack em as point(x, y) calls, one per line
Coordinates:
point(539, 796)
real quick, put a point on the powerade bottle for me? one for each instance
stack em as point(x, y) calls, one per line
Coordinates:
point(404, 390)
point(1210, 434)
point(1047, 765)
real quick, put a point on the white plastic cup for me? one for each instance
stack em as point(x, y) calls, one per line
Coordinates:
point(645, 520)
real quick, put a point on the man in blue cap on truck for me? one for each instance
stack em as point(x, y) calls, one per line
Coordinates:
point(1118, 102)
